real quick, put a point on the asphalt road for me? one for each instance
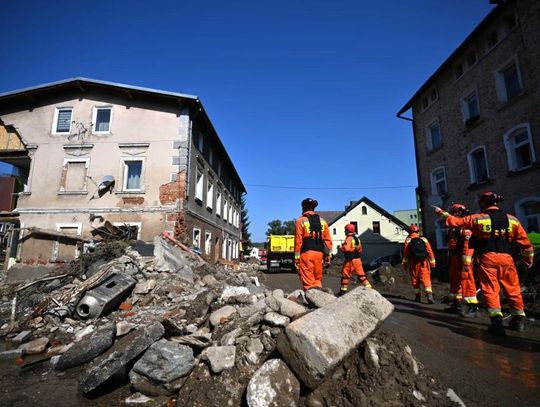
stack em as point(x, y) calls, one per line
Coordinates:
point(460, 353)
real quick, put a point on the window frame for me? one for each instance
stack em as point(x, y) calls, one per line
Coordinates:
point(94, 119)
point(138, 224)
point(209, 194)
point(219, 198)
point(124, 173)
point(500, 84)
point(472, 167)
point(440, 234)
point(199, 184)
point(465, 104)
point(59, 227)
point(511, 148)
point(207, 242)
point(520, 211)
point(86, 162)
point(434, 190)
point(429, 140)
point(373, 227)
point(196, 229)
point(55, 120)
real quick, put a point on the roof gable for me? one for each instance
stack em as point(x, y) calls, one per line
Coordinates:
point(365, 200)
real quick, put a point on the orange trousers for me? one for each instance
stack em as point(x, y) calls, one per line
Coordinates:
point(311, 269)
point(456, 265)
point(351, 267)
point(498, 270)
point(420, 273)
point(468, 286)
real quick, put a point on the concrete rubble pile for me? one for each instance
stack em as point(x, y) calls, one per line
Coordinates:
point(186, 332)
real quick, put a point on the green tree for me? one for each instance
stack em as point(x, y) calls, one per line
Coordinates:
point(246, 236)
point(277, 227)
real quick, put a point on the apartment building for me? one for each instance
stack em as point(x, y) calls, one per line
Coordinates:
point(91, 151)
point(476, 120)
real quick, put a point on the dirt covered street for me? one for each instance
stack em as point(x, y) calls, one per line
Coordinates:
point(458, 352)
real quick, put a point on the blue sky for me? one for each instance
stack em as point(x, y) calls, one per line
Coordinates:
point(302, 93)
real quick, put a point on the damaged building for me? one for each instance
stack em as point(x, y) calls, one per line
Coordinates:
point(90, 154)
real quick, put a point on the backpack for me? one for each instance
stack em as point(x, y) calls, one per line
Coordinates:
point(417, 249)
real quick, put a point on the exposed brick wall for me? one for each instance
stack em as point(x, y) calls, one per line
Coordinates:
point(137, 200)
point(174, 193)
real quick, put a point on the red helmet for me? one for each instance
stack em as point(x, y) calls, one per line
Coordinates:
point(490, 199)
point(350, 228)
point(309, 204)
point(458, 209)
point(413, 229)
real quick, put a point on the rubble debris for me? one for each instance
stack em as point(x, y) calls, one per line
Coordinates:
point(113, 362)
point(219, 357)
point(221, 315)
point(106, 297)
point(21, 337)
point(319, 298)
point(34, 347)
point(88, 348)
point(273, 384)
point(314, 344)
point(140, 400)
point(171, 260)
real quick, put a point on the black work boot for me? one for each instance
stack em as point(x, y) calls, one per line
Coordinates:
point(417, 298)
point(430, 299)
point(497, 328)
point(454, 308)
point(517, 323)
point(470, 311)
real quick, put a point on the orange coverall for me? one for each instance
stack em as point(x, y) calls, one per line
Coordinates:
point(354, 264)
point(462, 285)
point(310, 267)
point(419, 269)
point(497, 269)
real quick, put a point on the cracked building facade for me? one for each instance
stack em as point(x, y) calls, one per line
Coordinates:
point(171, 171)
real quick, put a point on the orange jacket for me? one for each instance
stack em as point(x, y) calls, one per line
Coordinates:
point(349, 245)
point(406, 254)
point(465, 252)
point(302, 231)
point(480, 226)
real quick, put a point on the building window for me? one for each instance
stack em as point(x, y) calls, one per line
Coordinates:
point(66, 251)
point(196, 237)
point(207, 243)
point(102, 120)
point(211, 156)
point(376, 227)
point(438, 182)
point(230, 213)
point(133, 227)
point(519, 147)
point(210, 195)
point(334, 231)
point(133, 170)
point(74, 175)
point(62, 120)
point(433, 133)
point(219, 169)
point(199, 186)
point(440, 234)
point(364, 210)
point(508, 81)
point(528, 211)
point(218, 203)
point(471, 108)
point(225, 210)
point(478, 167)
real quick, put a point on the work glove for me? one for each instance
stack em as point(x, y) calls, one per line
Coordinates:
point(438, 211)
point(297, 263)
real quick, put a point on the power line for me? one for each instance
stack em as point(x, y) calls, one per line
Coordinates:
point(328, 188)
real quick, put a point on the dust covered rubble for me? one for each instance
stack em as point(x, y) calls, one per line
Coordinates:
point(192, 333)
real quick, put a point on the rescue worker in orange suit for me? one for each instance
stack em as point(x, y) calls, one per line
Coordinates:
point(419, 259)
point(312, 245)
point(351, 249)
point(462, 285)
point(494, 232)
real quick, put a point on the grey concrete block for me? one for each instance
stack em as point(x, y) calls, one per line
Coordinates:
point(315, 343)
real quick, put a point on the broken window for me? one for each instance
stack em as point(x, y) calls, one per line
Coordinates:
point(133, 170)
point(196, 237)
point(74, 176)
point(62, 120)
point(478, 165)
point(102, 119)
point(66, 249)
point(207, 243)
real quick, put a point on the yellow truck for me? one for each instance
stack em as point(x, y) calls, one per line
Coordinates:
point(280, 253)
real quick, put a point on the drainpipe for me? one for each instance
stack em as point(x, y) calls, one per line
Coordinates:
point(419, 191)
